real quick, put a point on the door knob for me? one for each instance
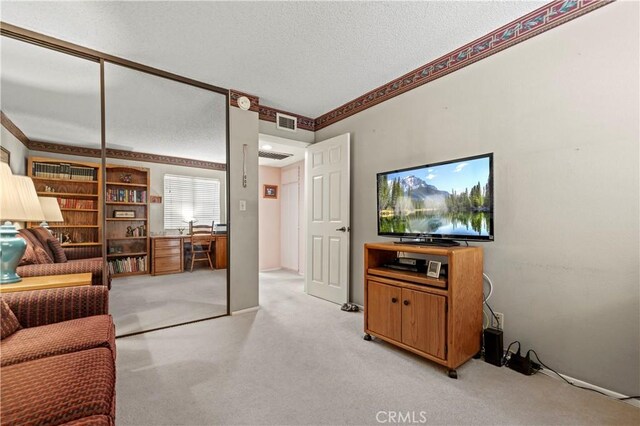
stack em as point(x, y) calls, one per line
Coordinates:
point(394, 300)
point(406, 303)
point(343, 229)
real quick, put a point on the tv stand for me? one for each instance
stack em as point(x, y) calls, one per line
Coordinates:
point(439, 242)
point(439, 318)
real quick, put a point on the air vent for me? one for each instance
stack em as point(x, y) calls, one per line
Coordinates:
point(286, 122)
point(273, 155)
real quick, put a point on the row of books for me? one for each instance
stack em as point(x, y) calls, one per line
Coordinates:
point(128, 264)
point(72, 203)
point(64, 171)
point(126, 195)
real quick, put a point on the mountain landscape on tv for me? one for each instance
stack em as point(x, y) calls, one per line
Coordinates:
point(409, 205)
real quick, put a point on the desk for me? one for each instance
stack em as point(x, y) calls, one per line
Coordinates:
point(167, 253)
point(48, 281)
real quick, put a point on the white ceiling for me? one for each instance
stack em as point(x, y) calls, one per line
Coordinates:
point(280, 145)
point(305, 57)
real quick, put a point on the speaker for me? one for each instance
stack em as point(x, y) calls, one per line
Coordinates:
point(493, 348)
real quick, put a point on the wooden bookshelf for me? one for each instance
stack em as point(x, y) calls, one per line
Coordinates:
point(77, 187)
point(127, 189)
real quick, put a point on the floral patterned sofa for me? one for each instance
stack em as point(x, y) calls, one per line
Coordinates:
point(45, 256)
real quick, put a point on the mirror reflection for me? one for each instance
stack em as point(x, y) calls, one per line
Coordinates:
point(165, 200)
point(51, 137)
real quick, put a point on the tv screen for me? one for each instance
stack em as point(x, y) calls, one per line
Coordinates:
point(450, 200)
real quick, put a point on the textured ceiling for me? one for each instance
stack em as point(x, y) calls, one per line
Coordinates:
point(305, 57)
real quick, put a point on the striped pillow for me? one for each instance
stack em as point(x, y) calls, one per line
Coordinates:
point(8, 322)
point(58, 252)
point(42, 258)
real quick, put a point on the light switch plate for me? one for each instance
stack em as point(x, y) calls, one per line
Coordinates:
point(243, 205)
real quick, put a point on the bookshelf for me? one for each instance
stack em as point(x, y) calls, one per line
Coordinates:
point(127, 194)
point(77, 186)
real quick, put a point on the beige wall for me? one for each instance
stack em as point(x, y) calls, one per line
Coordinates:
point(19, 152)
point(269, 128)
point(243, 129)
point(269, 224)
point(560, 112)
point(157, 172)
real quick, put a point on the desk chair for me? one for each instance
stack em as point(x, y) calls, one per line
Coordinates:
point(196, 230)
point(201, 249)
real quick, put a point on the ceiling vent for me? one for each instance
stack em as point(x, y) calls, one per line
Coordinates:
point(286, 122)
point(274, 155)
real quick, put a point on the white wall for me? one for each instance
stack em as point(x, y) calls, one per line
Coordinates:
point(560, 112)
point(19, 152)
point(157, 172)
point(269, 220)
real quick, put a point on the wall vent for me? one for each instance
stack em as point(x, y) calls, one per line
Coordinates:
point(273, 155)
point(286, 122)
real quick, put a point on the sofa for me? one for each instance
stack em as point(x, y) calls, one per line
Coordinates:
point(45, 256)
point(57, 356)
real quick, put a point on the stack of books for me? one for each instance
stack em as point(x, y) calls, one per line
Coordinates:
point(127, 265)
point(64, 171)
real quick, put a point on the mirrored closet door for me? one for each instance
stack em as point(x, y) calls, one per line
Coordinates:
point(51, 133)
point(165, 200)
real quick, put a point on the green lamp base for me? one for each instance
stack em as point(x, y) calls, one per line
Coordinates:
point(12, 249)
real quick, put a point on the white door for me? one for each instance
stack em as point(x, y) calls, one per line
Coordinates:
point(327, 181)
point(289, 226)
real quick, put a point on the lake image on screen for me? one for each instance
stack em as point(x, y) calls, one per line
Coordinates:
point(449, 199)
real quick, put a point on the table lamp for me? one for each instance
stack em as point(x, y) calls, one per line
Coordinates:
point(18, 202)
point(51, 210)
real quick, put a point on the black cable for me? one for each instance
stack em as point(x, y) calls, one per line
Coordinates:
point(494, 315)
point(573, 384)
point(504, 357)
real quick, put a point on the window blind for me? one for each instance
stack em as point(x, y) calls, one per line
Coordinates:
point(190, 198)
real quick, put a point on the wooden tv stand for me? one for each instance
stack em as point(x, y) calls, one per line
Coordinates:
point(439, 319)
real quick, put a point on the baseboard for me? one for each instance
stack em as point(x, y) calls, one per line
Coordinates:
point(271, 269)
point(245, 311)
point(608, 392)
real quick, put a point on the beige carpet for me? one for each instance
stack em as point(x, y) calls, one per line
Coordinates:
point(145, 302)
point(300, 360)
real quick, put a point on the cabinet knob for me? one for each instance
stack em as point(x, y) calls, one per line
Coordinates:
point(394, 300)
point(406, 303)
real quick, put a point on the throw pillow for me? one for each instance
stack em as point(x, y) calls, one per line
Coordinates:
point(8, 321)
point(43, 234)
point(42, 258)
point(58, 252)
point(29, 256)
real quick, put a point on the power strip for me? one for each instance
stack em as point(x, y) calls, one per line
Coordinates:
point(523, 364)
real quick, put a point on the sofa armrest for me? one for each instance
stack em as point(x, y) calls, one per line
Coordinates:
point(94, 266)
point(41, 307)
point(88, 252)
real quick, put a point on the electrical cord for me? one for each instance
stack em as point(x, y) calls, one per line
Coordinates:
point(571, 383)
point(506, 354)
point(485, 299)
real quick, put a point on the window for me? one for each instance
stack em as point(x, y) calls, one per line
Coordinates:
point(190, 198)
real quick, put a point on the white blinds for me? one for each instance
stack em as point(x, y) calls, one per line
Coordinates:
point(190, 198)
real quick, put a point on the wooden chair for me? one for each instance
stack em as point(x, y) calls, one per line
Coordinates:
point(195, 230)
point(201, 249)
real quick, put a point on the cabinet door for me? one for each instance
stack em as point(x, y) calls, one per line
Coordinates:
point(424, 322)
point(221, 252)
point(383, 310)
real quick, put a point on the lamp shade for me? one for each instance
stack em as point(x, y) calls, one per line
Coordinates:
point(51, 209)
point(29, 199)
point(11, 207)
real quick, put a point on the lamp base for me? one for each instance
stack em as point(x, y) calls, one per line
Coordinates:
point(12, 249)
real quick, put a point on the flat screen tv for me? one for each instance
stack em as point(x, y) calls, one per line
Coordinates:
point(440, 202)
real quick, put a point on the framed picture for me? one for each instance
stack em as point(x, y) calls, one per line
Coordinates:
point(270, 191)
point(155, 199)
point(433, 270)
point(6, 155)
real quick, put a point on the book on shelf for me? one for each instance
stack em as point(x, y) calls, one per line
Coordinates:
point(64, 171)
point(72, 203)
point(128, 265)
point(126, 195)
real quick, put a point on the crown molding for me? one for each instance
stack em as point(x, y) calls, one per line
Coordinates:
point(13, 129)
point(269, 114)
point(60, 148)
point(235, 94)
point(530, 25)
